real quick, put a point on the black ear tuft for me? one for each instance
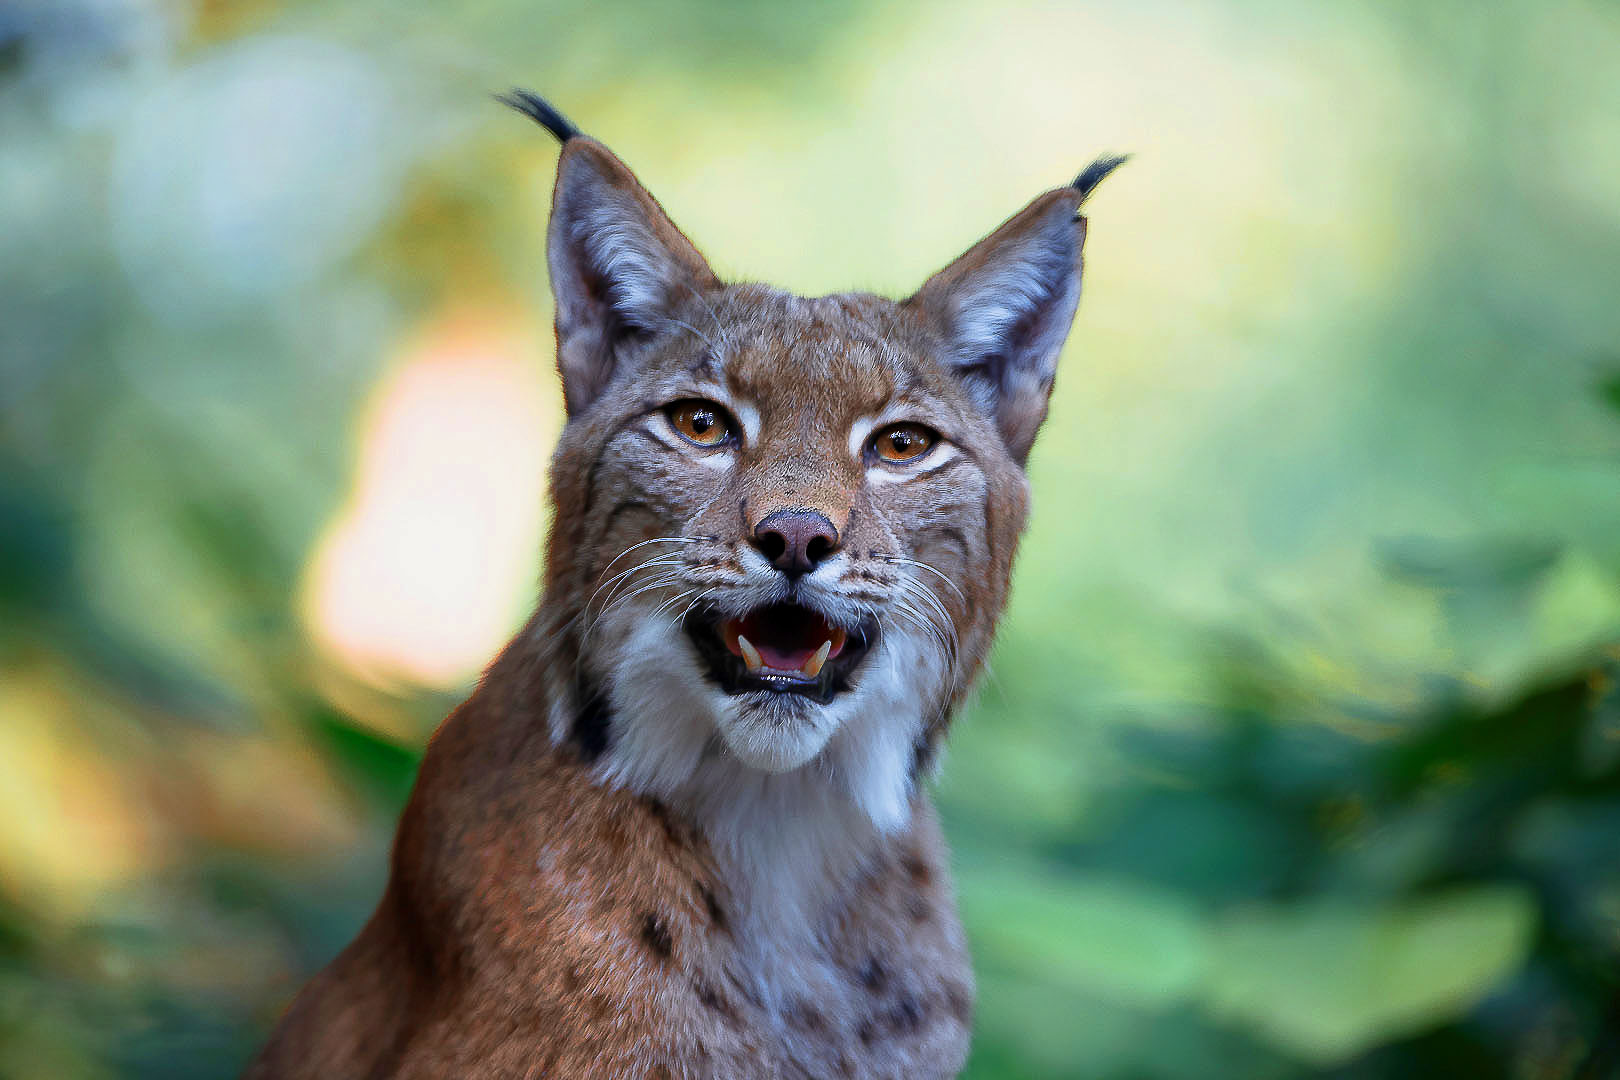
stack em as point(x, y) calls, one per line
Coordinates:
point(539, 110)
point(1096, 173)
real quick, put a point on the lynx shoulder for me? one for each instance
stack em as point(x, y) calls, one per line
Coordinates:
point(679, 828)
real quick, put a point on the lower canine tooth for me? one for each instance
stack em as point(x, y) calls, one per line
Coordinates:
point(750, 654)
point(812, 666)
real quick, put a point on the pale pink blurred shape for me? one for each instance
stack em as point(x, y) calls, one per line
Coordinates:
point(435, 556)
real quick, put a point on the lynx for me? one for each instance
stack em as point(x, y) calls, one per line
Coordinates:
point(679, 830)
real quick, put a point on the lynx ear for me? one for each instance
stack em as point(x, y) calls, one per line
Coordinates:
point(1004, 308)
point(618, 264)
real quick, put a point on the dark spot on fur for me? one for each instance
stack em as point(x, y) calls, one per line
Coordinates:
point(592, 724)
point(873, 976)
point(960, 1003)
point(666, 820)
point(846, 1067)
point(615, 837)
point(655, 935)
point(804, 1016)
point(744, 990)
point(906, 1016)
point(571, 980)
point(626, 507)
point(711, 904)
point(867, 1033)
point(922, 755)
point(917, 870)
point(713, 1000)
point(917, 907)
point(590, 490)
point(949, 533)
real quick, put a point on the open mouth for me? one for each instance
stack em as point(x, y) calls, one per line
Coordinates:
point(785, 648)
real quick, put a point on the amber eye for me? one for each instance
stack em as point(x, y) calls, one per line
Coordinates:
point(903, 442)
point(701, 422)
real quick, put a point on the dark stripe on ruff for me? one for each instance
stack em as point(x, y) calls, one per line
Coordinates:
point(593, 723)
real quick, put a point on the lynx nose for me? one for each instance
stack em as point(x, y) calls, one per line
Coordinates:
point(795, 541)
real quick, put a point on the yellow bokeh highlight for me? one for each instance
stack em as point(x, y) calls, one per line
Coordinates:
point(433, 558)
point(75, 825)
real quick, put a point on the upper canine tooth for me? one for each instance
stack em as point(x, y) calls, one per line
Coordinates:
point(812, 666)
point(750, 654)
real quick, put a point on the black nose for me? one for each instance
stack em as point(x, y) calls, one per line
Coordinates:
point(795, 540)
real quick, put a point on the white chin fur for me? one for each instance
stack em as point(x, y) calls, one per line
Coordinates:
point(775, 732)
point(673, 730)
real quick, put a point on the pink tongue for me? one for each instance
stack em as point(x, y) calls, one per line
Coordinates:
point(783, 659)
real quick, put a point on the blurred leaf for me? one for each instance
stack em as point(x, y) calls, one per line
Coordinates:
point(1529, 744)
point(385, 769)
point(1499, 563)
point(1609, 391)
point(1327, 979)
point(16, 935)
point(1030, 1028)
point(1134, 944)
point(35, 548)
point(1183, 841)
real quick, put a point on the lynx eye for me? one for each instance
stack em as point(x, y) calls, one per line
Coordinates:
point(903, 443)
point(700, 422)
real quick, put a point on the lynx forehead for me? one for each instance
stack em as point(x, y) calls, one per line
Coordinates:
point(678, 830)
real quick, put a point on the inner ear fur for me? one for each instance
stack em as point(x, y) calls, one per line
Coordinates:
point(618, 267)
point(1004, 308)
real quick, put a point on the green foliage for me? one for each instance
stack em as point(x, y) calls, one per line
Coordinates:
point(1330, 980)
point(1609, 390)
point(386, 769)
point(1436, 895)
point(1300, 756)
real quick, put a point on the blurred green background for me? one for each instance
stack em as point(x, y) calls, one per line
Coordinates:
point(1301, 751)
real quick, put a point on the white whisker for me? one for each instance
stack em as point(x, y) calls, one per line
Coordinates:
point(644, 543)
point(656, 560)
point(719, 326)
point(688, 326)
point(936, 571)
point(671, 602)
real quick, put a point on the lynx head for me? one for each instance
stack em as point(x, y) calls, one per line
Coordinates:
point(784, 525)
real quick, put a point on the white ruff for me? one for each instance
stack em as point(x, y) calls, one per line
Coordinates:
point(787, 842)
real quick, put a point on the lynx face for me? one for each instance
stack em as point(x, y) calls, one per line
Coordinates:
point(785, 526)
point(795, 522)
